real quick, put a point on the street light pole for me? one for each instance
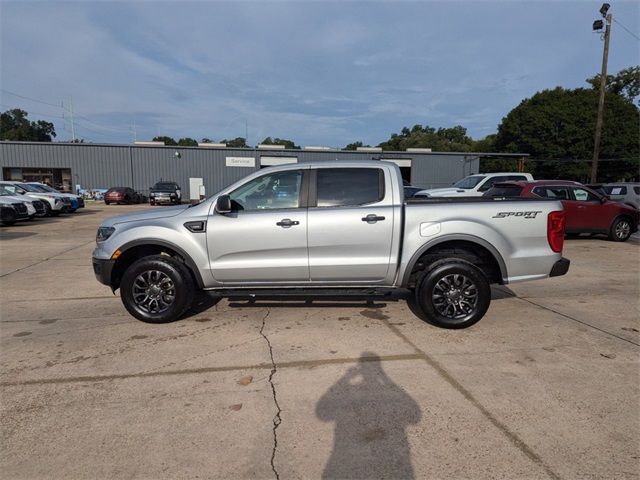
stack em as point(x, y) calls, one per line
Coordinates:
point(603, 84)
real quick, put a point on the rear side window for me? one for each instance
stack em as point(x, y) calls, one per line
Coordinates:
point(339, 187)
point(615, 190)
point(503, 191)
point(637, 190)
point(559, 193)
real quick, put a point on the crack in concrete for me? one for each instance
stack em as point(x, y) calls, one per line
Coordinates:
point(277, 419)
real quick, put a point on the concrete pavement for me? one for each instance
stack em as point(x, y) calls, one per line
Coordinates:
point(545, 386)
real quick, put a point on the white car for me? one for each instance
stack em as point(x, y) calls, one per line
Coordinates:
point(15, 201)
point(55, 203)
point(475, 185)
point(75, 199)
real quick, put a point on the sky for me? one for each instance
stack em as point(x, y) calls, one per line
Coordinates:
point(320, 73)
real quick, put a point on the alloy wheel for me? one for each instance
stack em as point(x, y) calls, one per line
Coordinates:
point(153, 291)
point(455, 296)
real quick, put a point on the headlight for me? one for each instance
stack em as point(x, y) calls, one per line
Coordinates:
point(58, 201)
point(104, 233)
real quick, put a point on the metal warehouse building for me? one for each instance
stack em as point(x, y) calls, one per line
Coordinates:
point(140, 166)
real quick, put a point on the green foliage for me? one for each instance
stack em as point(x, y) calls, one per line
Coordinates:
point(452, 139)
point(237, 142)
point(559, 124)
point(355, 145)
point(280, 141)
point(14, 125)
point(166, 140)
point(187, 142)
point(625, 83)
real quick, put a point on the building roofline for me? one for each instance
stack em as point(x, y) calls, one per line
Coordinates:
point(269, 151)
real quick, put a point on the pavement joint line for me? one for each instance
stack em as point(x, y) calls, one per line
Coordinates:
point(511, 436)
point(277, 419)
point(579, 321)
point(46, 259)
point(230, 368)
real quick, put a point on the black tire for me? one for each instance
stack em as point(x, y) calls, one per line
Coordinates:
point(47, 209)
point(106, 203)
point(572, 235)
point(55, 213)
point(152, 203)
point(179, 286)
point(620, 230)
point(467, 296)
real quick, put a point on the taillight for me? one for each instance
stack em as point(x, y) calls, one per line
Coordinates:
point(555, 230)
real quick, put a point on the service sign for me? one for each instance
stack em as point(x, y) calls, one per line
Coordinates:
point(240, 162)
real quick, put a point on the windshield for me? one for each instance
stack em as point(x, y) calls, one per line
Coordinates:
point(6, 191)
point(30, 188)
point(469, 182)
point(165, 185)
point(44, 188)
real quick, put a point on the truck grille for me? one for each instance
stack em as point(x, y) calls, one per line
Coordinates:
point(21, 208)
point(66, 200)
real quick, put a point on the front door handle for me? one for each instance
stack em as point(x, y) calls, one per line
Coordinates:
point(287, 222)
point(372, 218)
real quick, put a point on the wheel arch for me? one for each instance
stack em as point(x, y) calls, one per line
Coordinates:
point(478, 246)
point(136, 249)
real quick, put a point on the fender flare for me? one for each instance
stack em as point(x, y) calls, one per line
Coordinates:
point(162, 243)
point(452, 237)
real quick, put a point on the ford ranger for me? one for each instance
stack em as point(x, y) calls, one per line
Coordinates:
point(330, 229)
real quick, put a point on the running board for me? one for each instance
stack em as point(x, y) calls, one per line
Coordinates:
point(310, 294)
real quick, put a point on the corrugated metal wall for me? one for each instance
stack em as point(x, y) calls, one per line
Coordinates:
point(104, 166)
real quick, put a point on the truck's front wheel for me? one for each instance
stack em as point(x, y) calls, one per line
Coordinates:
point(157, 289)
point(453, 294)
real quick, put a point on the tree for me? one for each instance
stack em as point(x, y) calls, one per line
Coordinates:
point(187, 142)
point(280, 141)
point(559, 125)
point(14, 125)
point(166, 140)
point(453, 139)
point(625, 83)
point(355, 145)
point(237, 142)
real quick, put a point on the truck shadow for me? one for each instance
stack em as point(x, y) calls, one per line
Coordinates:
point(371, 414)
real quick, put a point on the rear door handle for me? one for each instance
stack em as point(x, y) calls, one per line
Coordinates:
point(372, 218)
point(287, 222)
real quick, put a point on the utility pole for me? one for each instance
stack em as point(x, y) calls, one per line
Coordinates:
point(73, 125)
point(603, 83)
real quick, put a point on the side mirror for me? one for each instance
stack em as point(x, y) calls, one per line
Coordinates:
point(604, 198)
point(223, 204)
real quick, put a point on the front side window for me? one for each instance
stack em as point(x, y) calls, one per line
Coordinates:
point(272, 191)
point(582, 195)
point(338, 187)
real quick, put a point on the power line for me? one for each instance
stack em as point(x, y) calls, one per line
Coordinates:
point(32, 99)
point(628, 30)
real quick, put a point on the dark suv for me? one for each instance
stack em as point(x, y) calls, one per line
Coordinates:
point(165, 192)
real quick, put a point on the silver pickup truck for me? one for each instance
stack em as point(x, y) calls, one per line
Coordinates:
point(336, 229)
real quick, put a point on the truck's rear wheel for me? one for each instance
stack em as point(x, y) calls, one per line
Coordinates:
point(453, 294)
point(157, 289)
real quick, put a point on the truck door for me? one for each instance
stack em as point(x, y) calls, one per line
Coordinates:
point(350, 225)
point(264, 240)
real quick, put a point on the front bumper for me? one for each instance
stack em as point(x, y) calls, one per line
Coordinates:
point(102, 269)
point(561, 267)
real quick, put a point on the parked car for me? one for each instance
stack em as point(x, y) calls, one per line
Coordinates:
point(54, 203)
point(165, 192)
point(22, 205)
point(587, 211)
point(120, 195)
point(625, 192)
point(474, 185)
point(76, 200)
point(15, 209)
point(330, 228)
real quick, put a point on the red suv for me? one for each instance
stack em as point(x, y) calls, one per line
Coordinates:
point(586, 211)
